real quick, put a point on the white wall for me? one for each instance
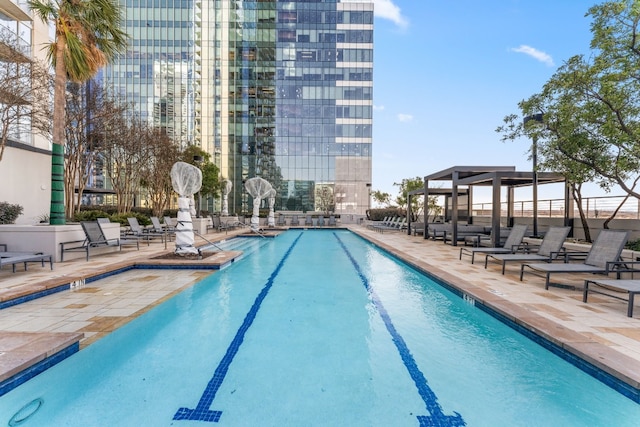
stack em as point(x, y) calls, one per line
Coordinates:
point(25, 179)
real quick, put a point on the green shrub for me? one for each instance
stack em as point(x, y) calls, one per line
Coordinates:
point(634, 245)
point(380, 214)
point(173, 213)
point(9, 213)
point(112, 210)
point(122, 218)
point(108, 209)
point(91, 215)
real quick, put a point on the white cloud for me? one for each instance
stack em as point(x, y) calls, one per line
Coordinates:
point(405, 117)
point(535, 54)
point(386, 9)
point(378, 107)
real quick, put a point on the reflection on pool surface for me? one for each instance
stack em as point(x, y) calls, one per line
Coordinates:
point(317, 327)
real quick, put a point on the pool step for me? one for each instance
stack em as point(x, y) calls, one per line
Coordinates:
point(245, 244)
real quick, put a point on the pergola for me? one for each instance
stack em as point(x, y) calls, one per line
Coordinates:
point(436, 191)
point(495, 177)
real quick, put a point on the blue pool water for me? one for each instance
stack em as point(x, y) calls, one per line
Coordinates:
point(316, 328)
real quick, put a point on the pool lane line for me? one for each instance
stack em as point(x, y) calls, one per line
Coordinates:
point(202, 411)
point(437, 417)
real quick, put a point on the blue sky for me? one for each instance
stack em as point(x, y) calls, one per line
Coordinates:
point(446, 73)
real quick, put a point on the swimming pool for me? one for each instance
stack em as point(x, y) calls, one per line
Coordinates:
point(316, 328)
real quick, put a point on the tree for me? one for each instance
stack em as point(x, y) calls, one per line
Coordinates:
point(407, 185)
point(211, 182)
point(123, 148)
point(433, 208)
point(161, 152)
point(381, 198)
point(591, 108)
point(88, 35)
point(325, 200)
point(88, 109)
point(25, 91)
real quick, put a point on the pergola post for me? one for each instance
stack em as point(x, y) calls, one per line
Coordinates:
point(469, 204)
point(510, 207)
point(454, 207)
point(569, 206)
point(426, 198)
point(408, 214)
point(495, 211)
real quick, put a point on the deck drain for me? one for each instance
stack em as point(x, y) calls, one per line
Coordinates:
point(26, 412)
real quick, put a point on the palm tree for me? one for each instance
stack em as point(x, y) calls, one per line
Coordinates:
point(88, 35)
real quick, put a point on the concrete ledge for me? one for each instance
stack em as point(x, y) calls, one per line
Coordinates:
point(47, 238)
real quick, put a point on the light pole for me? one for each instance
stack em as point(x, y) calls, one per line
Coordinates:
point(198, 161)
point(538, 118)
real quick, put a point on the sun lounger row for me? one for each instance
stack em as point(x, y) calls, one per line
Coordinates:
point(217, 224)
point(309, 221)
point(390, 224)
point(551, 258)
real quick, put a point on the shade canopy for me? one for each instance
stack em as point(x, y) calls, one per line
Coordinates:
point(493, 176)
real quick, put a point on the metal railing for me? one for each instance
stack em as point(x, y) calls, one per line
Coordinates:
point(594, 207)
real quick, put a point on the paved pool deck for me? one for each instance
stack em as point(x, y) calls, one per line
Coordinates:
point(598, 331)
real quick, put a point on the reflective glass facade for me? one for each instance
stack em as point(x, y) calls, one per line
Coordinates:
point(159, 71)
point(276, 89)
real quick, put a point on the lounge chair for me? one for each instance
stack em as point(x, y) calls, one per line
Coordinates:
point(219, 225)
point(629, 286)
point(386, 224)
point(230, 223)
point(294, 220)
point(417, 228)
point(385, 221)
point(136, 230)
point(485, 240)
point(13, 258)
point(602, 258)
point(159, 228)
point(511, 245)
point(320, 221)
point(437, 230)
point(94, 238)
point(308, 220)
point(397, 226)
point(332, 221)
point(549, 249)
point(465, 231)
point(282, 221)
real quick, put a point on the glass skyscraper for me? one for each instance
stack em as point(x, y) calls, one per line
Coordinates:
point(276, 89)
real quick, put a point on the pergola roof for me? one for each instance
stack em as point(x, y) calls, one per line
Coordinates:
point(465, 172)
point(437, 191)
point(511, 178)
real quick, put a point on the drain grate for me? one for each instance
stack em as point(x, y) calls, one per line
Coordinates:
point(26, 412)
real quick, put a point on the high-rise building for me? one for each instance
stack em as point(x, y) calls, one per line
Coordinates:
point(275, 89)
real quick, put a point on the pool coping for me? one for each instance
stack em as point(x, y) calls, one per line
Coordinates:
point(620, 372)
